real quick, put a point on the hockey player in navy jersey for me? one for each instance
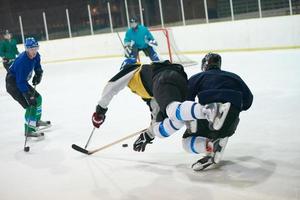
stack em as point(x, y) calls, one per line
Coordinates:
point(138, 38)
point(18, 87)
point(163, 85)
point(214, 85)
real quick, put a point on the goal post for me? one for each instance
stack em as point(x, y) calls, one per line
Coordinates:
point(167, 47)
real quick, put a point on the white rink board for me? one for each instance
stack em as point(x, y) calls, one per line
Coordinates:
point(272, 32)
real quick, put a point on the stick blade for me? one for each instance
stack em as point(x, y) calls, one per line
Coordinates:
point(80, 149)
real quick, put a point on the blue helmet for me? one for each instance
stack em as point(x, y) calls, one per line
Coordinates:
point(31, 43)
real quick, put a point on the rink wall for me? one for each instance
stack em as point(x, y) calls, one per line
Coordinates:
point(243, 35)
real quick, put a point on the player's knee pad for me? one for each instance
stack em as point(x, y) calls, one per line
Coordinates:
point(185, 111)
point(166, 128)
point(194, 144)
point(171, 110)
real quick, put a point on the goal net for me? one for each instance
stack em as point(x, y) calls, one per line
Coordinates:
point(167, 47)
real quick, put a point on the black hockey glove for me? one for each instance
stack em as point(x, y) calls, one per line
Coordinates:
point(5, 60)
point(99, 116)
point(37, 77)
point(142, 141)
point(30, 99)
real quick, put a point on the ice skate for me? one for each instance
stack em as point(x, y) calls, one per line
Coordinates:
point(34, 134)
point(203, 163)
point(214, 155)
point(42, 125)
point(216, 114)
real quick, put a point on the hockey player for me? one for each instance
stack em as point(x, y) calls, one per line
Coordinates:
point(161, 84)
point(214, 85)
point(8, 49)
point(138, 38)
point(18, 87)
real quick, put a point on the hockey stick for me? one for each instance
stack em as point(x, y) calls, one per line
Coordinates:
point(120, 40)
point(27, 148)
point(89, 152)
point(78, 148)
point(138, 57)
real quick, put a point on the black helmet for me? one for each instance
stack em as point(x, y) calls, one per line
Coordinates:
point(211, 61)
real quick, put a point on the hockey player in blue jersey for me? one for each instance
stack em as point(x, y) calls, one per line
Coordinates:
point(214, 85)
point(138, 38)
point(18, 87)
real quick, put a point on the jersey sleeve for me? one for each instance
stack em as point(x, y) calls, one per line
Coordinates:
point(1, 49)
point(192, 87)
point(116, 84)
point(21, 78)
point(38, 67)
point(148, 34)
point(127, 38)
point(247, 96)
point(16, 51)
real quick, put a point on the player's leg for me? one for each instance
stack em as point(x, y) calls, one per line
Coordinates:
point(210, 142)
point(12, 89)
point(212, 149)
point(215, 113)
point(168, 86)
point(151, 53)
point(33, 113)
point(30, 118)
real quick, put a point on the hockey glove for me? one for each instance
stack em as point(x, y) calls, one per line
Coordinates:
point(127, 52)
point(30, 99)
point(142, 141)
point(37, 77)
point(5, 60)
point(99, 116)
point(128, 48)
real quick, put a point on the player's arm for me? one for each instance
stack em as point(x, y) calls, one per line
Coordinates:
point(127, 38)
point(38, 71)
point(247, 96)
point(128, 44)
point(1, 49)
point(21, 77)
point(149, 38)
point(192, 87)
point(16, 48)
point(113, 87)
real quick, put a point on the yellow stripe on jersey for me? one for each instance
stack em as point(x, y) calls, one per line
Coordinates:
point(136, 85)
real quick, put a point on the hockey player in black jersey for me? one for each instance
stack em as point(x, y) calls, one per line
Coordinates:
point(214, 85)
point(163, 85)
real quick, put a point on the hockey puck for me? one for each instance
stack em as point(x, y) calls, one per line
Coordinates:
point(124, 145)
point(26, 149)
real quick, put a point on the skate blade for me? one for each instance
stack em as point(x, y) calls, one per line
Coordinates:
point(198, 166)
point(44, 127)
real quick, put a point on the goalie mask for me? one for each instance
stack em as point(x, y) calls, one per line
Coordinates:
point(133, 23)
point(211, 61)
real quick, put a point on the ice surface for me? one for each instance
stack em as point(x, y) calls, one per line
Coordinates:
point(261, 161)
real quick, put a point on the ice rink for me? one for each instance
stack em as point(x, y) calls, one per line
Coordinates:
point(261, 161)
